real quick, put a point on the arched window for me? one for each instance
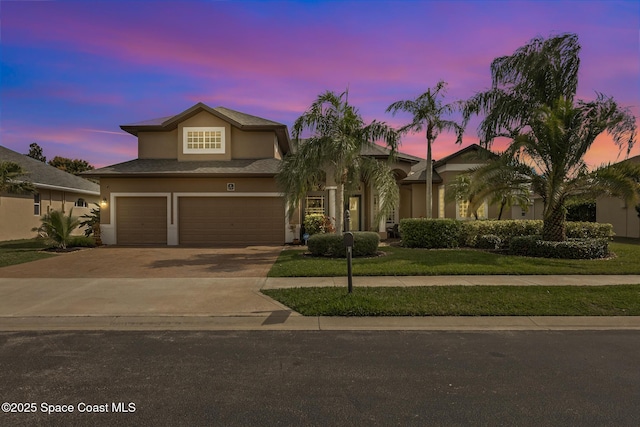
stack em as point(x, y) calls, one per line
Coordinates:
point(81, 203)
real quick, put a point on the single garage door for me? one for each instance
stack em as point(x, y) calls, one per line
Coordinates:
point(141, 220)
point(231, 220)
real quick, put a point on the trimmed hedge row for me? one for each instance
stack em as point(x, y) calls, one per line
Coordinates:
point(430, 233)
point(534, 246)
point(365, 243)
point(587, 240)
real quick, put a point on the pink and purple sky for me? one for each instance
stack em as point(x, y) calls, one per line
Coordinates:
point(74, 71)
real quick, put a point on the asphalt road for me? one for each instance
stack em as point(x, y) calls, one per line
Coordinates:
point(579, 378)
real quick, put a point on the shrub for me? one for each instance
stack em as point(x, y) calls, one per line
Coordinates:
point(430, 233)
point(82, 242)
point(365, 243)
point(488, 241)
point(534, 246)
point(589, 230)
point(57, 227)
point(504, 229)
point(317, 223)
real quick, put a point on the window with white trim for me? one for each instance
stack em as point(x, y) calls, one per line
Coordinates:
point(36, 204)
point(441, 201)
point(80, 203)
point(203, 140)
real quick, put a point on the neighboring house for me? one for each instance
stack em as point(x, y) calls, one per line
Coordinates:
point(202, 177)
point(55, 190)
point(616, 211)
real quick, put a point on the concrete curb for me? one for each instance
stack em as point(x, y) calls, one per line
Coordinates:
point(288, 321)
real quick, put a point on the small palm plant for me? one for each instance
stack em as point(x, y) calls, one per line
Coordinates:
point(58, 228)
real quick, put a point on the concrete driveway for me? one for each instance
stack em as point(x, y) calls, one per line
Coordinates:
point(151, 262)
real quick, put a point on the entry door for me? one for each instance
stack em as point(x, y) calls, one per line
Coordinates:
point(354, 211)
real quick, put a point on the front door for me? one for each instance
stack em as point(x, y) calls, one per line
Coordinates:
point(354, 211)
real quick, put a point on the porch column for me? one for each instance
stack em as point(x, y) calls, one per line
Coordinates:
point(332, 204)
point(383, 221)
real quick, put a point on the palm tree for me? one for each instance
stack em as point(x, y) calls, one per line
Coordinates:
point(532, 103)
point(428, 114)
point(12, 179)
point(58, 227)
point(332, 155)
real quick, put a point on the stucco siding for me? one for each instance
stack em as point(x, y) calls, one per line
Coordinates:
point(204, 119)
point(251, 145)
point(158, 145)
point(615, 211)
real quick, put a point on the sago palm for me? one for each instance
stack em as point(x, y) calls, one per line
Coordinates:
point(58, 227)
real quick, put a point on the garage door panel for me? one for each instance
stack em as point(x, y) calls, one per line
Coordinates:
point(141, 220)
point(231, 220)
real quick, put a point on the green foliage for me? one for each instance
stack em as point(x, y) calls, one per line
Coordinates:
point(12, 179)
point(318, 223)
point(58, 228)
point(82, 242)
point(503, 229)
point(430, 233)
point(488, 241)
point(365, 243)
point(584, 211)
point(506, 230)
point(35, 152)
point(73, 166)
point(91, 220)
point(534, 246)
point(589, 230)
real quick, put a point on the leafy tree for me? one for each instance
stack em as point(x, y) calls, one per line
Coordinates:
point(532, 102)
point(73, 166)
point(429, 114)
point(12, 179)
point(35, 152)
point(58, 227)
point(333, 153)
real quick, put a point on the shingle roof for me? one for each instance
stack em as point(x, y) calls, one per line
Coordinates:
point(376, 150)
point(419, 174)
point(44, 175)
point(236, 118)
point(170, 167)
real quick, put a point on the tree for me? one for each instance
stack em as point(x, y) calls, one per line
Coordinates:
point(429, 114)
point(532, 102)
point(73, 166)
point(58, 227)
point(35, 152)
point(332, 156)
point(12, 179)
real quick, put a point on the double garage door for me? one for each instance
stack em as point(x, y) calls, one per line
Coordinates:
point(202, 220)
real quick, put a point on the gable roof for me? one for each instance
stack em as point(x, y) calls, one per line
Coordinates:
point(419, 171)
point(238, 119)
point(45, 176)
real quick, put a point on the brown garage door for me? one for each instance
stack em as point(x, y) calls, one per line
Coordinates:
point(141, 220)
point(231, 220)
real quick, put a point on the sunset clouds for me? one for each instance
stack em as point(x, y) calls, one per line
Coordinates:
point(68, 67)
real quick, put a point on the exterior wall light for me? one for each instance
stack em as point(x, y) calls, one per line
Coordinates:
point(103, 202)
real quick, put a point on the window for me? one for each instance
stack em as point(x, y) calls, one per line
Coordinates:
point(80, 203)
point(314, 205)
point(462, 211)
point(36, 204)
point(203, 140)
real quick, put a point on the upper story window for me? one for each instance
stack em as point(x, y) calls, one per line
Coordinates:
point(203, 140)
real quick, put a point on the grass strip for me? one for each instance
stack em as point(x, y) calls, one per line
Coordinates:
point(618, 300)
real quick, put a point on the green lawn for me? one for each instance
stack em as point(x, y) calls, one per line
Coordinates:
point(620, 300)
point(20, 251)
point(398, 261)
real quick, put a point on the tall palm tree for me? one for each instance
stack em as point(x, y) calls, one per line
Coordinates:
point(333, 154)
point(429, 114)
point(12, 179)
point(531, 102)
